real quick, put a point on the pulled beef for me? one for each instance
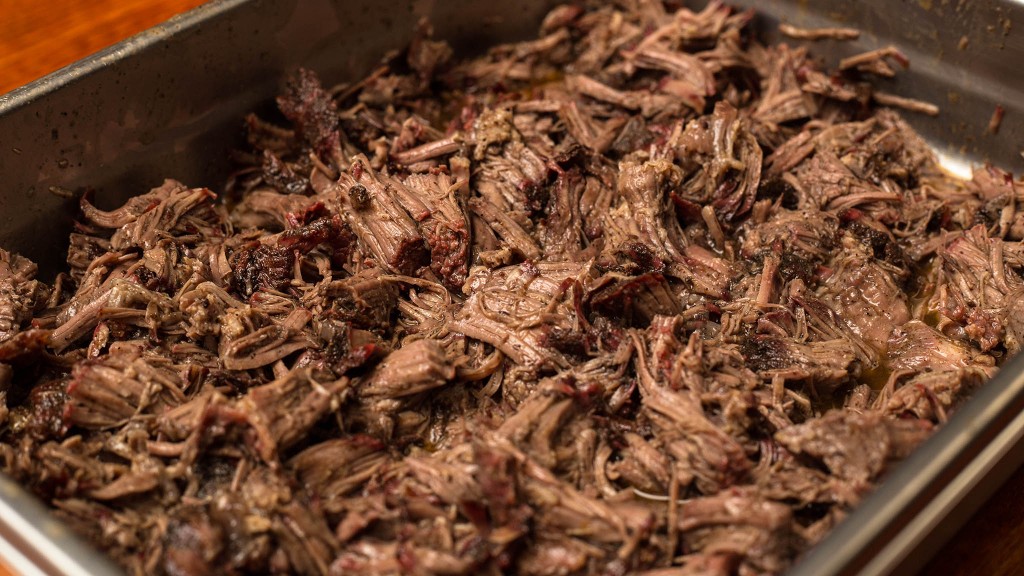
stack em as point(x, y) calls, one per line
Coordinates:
point(21, 295)
point(445, 226)
point(313, 112)
point(640, 296)
point(723, 162)
point(378, 219)
point(261, 268)
point(108, 391)
point(853, 446)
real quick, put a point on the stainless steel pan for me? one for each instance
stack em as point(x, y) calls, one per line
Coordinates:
point(168, 102)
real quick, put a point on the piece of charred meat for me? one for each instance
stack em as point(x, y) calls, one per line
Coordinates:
point(641, 295)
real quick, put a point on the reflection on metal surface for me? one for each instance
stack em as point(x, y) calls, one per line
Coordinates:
point(33, 541)
point(955, 165)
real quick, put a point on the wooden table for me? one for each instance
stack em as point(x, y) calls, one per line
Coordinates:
point(39, 37)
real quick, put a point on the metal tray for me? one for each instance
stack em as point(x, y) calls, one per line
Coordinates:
point(169, 102)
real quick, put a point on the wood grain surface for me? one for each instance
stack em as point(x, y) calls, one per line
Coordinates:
point(37, 38)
